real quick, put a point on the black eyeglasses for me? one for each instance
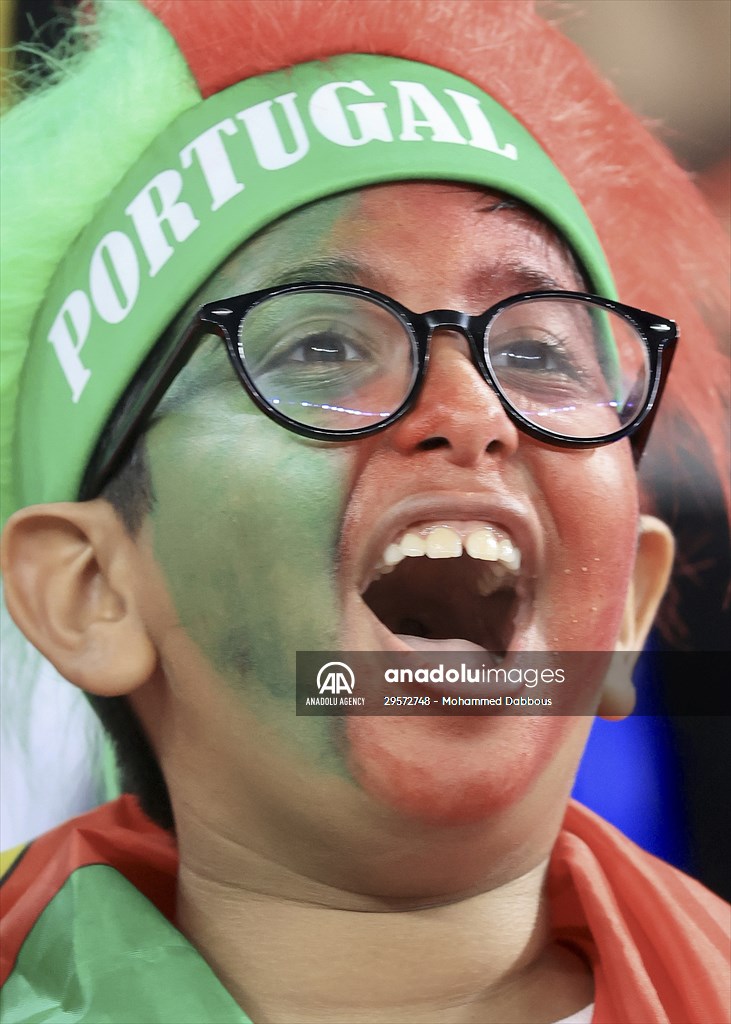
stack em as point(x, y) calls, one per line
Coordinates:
point(336, 362)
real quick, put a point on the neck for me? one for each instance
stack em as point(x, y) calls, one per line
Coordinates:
point(317, 954)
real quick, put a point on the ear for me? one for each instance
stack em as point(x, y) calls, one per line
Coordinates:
point(653, 564)
point(69, 573)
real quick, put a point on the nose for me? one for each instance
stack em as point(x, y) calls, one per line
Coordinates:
point(457, 411)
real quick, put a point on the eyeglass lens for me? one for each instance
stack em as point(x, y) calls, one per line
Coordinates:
point(568, 367)
point(341, 362)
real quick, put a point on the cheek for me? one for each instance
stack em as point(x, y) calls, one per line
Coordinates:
point(245, 526)
point(595, 516)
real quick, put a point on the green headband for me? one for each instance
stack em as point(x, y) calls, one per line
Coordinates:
point(222, 171)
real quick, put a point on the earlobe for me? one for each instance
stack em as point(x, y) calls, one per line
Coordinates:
point(69, 579)
point(653, 564)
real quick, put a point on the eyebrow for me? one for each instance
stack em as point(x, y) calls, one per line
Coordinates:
point(503, 279)
point(337, 270)
point(528, 276)
point(333, 270)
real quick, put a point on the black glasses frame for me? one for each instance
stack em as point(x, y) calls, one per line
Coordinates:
point(225, 317)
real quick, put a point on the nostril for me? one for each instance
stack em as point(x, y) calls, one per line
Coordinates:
point(431, 443)
point(494, 447)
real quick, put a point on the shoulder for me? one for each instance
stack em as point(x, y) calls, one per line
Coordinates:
point(117, 836)
point(631, 872)
point(89, 925)
point(658, 940)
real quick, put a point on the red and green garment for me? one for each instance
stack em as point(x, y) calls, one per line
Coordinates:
point(88, 931)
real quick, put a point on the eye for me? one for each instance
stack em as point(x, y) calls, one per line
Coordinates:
point(322, 347)
point(547, 355)
point(317, 343)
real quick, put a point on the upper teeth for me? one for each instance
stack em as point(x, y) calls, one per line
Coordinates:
point(486, 543)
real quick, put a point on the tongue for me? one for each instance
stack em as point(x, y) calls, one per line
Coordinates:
point(422, 643)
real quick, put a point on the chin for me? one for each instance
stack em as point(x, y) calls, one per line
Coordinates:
point(452, 771)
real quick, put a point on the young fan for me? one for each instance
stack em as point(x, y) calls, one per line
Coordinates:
point(300, 292)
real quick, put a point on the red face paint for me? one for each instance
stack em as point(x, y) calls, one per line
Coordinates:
point(443, 246)
point(451, 771)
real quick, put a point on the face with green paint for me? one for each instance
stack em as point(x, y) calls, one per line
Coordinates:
point(263, 543)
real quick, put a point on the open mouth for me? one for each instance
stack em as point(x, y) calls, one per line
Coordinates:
point(449, 588)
